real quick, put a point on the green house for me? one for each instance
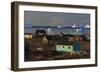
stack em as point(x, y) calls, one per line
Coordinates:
point(64, 48)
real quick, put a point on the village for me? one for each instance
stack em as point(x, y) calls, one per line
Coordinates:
point(43, 46)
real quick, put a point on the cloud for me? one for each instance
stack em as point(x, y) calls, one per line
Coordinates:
point(48, 18)
point(57, 20)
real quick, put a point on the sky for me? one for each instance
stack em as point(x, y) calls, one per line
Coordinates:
point(36, 18)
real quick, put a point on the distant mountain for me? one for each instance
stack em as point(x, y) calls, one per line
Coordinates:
point(29, 25)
